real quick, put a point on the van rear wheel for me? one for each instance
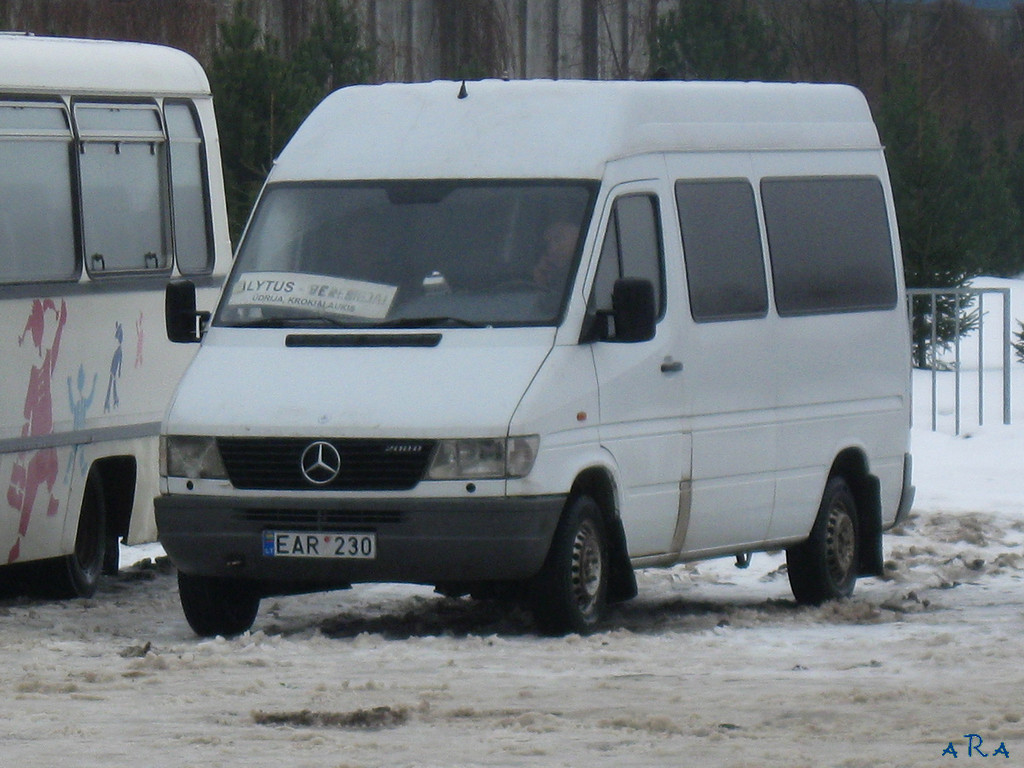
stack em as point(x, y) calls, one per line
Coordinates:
point(215, 606)
point(571, 591)
point(825, 566)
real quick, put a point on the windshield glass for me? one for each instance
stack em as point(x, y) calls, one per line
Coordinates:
point(409, 254)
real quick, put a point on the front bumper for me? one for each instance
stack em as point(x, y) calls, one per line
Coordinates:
point(424, 541)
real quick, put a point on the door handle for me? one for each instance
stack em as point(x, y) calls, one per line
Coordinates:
point(671, 366)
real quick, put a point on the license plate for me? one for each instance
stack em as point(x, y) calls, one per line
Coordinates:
point(347, 546)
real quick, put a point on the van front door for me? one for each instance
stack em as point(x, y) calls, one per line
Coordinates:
point(641, 383)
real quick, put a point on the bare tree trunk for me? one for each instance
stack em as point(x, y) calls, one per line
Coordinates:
point(589, 38)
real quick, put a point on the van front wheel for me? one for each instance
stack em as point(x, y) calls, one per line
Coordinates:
point(571, 591)
point(824, 567)
point(215, 606)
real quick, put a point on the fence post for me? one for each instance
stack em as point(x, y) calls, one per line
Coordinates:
point(1006, 355)
point(959, 296)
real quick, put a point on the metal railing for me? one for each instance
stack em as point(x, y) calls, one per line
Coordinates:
point(953, 302)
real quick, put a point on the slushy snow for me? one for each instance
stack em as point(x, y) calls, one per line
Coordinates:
point(709, 666)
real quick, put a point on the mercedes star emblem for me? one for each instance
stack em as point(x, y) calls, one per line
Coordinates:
point(321, 463)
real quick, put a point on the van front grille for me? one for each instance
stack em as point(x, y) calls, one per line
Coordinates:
point(361, 464)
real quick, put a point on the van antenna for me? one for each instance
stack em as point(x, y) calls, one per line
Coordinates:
point(463, 93)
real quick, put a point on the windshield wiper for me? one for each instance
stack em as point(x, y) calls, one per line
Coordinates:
point(307, 321)
point(429, 322)
point(291, 322)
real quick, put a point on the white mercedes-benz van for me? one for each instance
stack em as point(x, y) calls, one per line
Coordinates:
point(524, 337)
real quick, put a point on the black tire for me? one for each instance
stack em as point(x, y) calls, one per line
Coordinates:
point(78, 574)
point(215, 606)
point(571, 592)
point(825, 566)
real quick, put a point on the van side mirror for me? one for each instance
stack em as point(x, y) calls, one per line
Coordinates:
point(634, 309)
point(185, 324)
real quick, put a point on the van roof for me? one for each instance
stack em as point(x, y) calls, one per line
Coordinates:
point(560, 129)
point(63, 65)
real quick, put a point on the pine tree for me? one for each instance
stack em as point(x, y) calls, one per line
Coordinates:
point(933, 195)
point(262, 96)
point(333, 56)
point(717, 40)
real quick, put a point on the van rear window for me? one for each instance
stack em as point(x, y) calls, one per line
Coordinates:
point(829, 244)
point(722, 249)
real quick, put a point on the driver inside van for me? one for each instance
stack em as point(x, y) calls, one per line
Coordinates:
point(559, 246)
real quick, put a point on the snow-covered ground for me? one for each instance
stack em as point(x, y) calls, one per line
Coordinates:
point(709, 666)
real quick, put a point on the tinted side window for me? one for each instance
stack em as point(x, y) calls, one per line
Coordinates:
point(37, 220)
point(632, 248)
point(830, 245)
point(124, 203)
point(193, 242)
point(722, 250)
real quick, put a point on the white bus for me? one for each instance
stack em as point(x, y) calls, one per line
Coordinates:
point(110, 184)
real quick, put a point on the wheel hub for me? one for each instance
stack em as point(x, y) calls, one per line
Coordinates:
point(840, 543)
point(586, 566)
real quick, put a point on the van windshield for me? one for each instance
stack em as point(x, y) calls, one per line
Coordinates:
point(409, 254)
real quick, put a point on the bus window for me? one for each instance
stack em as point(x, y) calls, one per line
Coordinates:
point(193, 242)
point(37, 225)
point(124, 203)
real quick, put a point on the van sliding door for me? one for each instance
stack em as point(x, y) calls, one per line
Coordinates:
point(731, 377)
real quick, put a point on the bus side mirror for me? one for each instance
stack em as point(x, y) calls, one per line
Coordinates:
point(634, 310)
point(184, 323)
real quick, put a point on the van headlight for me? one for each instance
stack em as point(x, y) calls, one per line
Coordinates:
point(484, 458)
point(192, 457)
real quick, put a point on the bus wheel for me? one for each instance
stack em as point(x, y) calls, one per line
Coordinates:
point(112, 554)
point(78, 574)
point(215, 606)
point(571, 591)
point(824, 567)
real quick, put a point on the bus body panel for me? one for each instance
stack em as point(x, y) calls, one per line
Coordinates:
point(102, 142)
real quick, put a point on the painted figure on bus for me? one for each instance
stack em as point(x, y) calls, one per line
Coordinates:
point(79, 409)
point(35, 469)
point(112, 400)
